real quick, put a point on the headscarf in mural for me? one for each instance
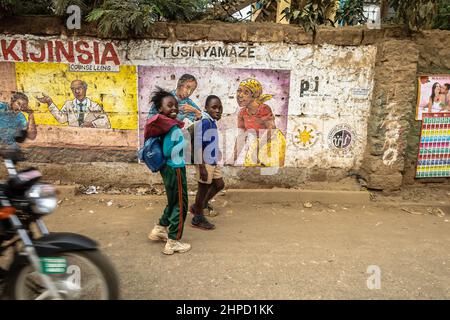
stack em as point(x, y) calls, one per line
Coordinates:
point(256, 88)
point(267, 148)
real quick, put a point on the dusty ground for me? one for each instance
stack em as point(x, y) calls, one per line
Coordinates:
point(274, 251)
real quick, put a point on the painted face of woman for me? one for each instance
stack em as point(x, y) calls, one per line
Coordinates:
point(186, 90)
point(244, 96)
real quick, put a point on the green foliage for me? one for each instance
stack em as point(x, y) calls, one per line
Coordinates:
point(119, 17)
point(225, 9)
point(35, 7)
point(133, 17)
point(442, 19)
point(179, 10)
point(60, 6)
point(6, 7)
point(7, 3)
point(416, 14)
point(310, 14)
point(352, 13)
point(25, 7)
point(124, 17)
point(422, 14)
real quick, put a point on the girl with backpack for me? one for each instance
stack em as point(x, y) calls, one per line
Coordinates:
point(166, 126)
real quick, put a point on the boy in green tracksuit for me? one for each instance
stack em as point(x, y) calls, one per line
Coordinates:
point(171, 223)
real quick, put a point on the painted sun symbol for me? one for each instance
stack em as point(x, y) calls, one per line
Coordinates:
point(305, 136)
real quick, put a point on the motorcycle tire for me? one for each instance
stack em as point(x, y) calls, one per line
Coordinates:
point(15, 279)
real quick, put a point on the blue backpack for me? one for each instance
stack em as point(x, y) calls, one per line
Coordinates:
point(152, 154)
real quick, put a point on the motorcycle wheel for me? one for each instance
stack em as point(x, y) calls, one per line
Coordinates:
point(89, 276)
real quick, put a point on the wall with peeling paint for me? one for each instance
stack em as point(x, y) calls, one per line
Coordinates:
point(321, 94)
point(345, 106)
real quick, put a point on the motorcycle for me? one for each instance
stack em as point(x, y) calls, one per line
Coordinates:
point(45, 265)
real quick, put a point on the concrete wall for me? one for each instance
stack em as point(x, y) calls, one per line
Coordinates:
point(392, 109)
point(355, 118)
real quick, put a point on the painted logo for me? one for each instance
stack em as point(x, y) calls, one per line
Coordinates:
point(341, 138)
point(305, 136)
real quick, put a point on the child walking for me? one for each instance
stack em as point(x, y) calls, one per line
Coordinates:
point(209, 174)
point(165, 124)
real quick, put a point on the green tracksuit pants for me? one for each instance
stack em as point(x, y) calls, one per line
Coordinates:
point(177, 200)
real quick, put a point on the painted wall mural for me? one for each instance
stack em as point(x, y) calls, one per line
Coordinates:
point(79, 109)
point(284, 105)
point(238, 89)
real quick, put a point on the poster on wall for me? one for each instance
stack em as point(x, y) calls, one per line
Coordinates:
point(433, 95)
point(434, 148)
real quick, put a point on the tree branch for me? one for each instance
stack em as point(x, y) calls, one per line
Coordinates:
point(222, 11)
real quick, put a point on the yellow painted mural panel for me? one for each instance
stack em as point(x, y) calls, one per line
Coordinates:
point(112, 96)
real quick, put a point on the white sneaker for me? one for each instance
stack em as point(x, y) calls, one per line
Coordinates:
point(173, 246)
point(159, 233)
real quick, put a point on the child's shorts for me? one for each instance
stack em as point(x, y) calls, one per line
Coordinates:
point(214, 172)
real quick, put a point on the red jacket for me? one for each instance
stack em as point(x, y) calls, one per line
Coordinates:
point(159, 125)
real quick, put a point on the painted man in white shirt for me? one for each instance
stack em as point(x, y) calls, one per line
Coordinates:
point(80, 112)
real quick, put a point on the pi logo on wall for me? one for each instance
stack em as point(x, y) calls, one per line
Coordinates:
point(305, 136)
point(341, 139)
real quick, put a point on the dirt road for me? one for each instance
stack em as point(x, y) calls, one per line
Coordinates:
point(270, 251)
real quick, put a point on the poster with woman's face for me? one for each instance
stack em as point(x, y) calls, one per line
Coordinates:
point(433, 94)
